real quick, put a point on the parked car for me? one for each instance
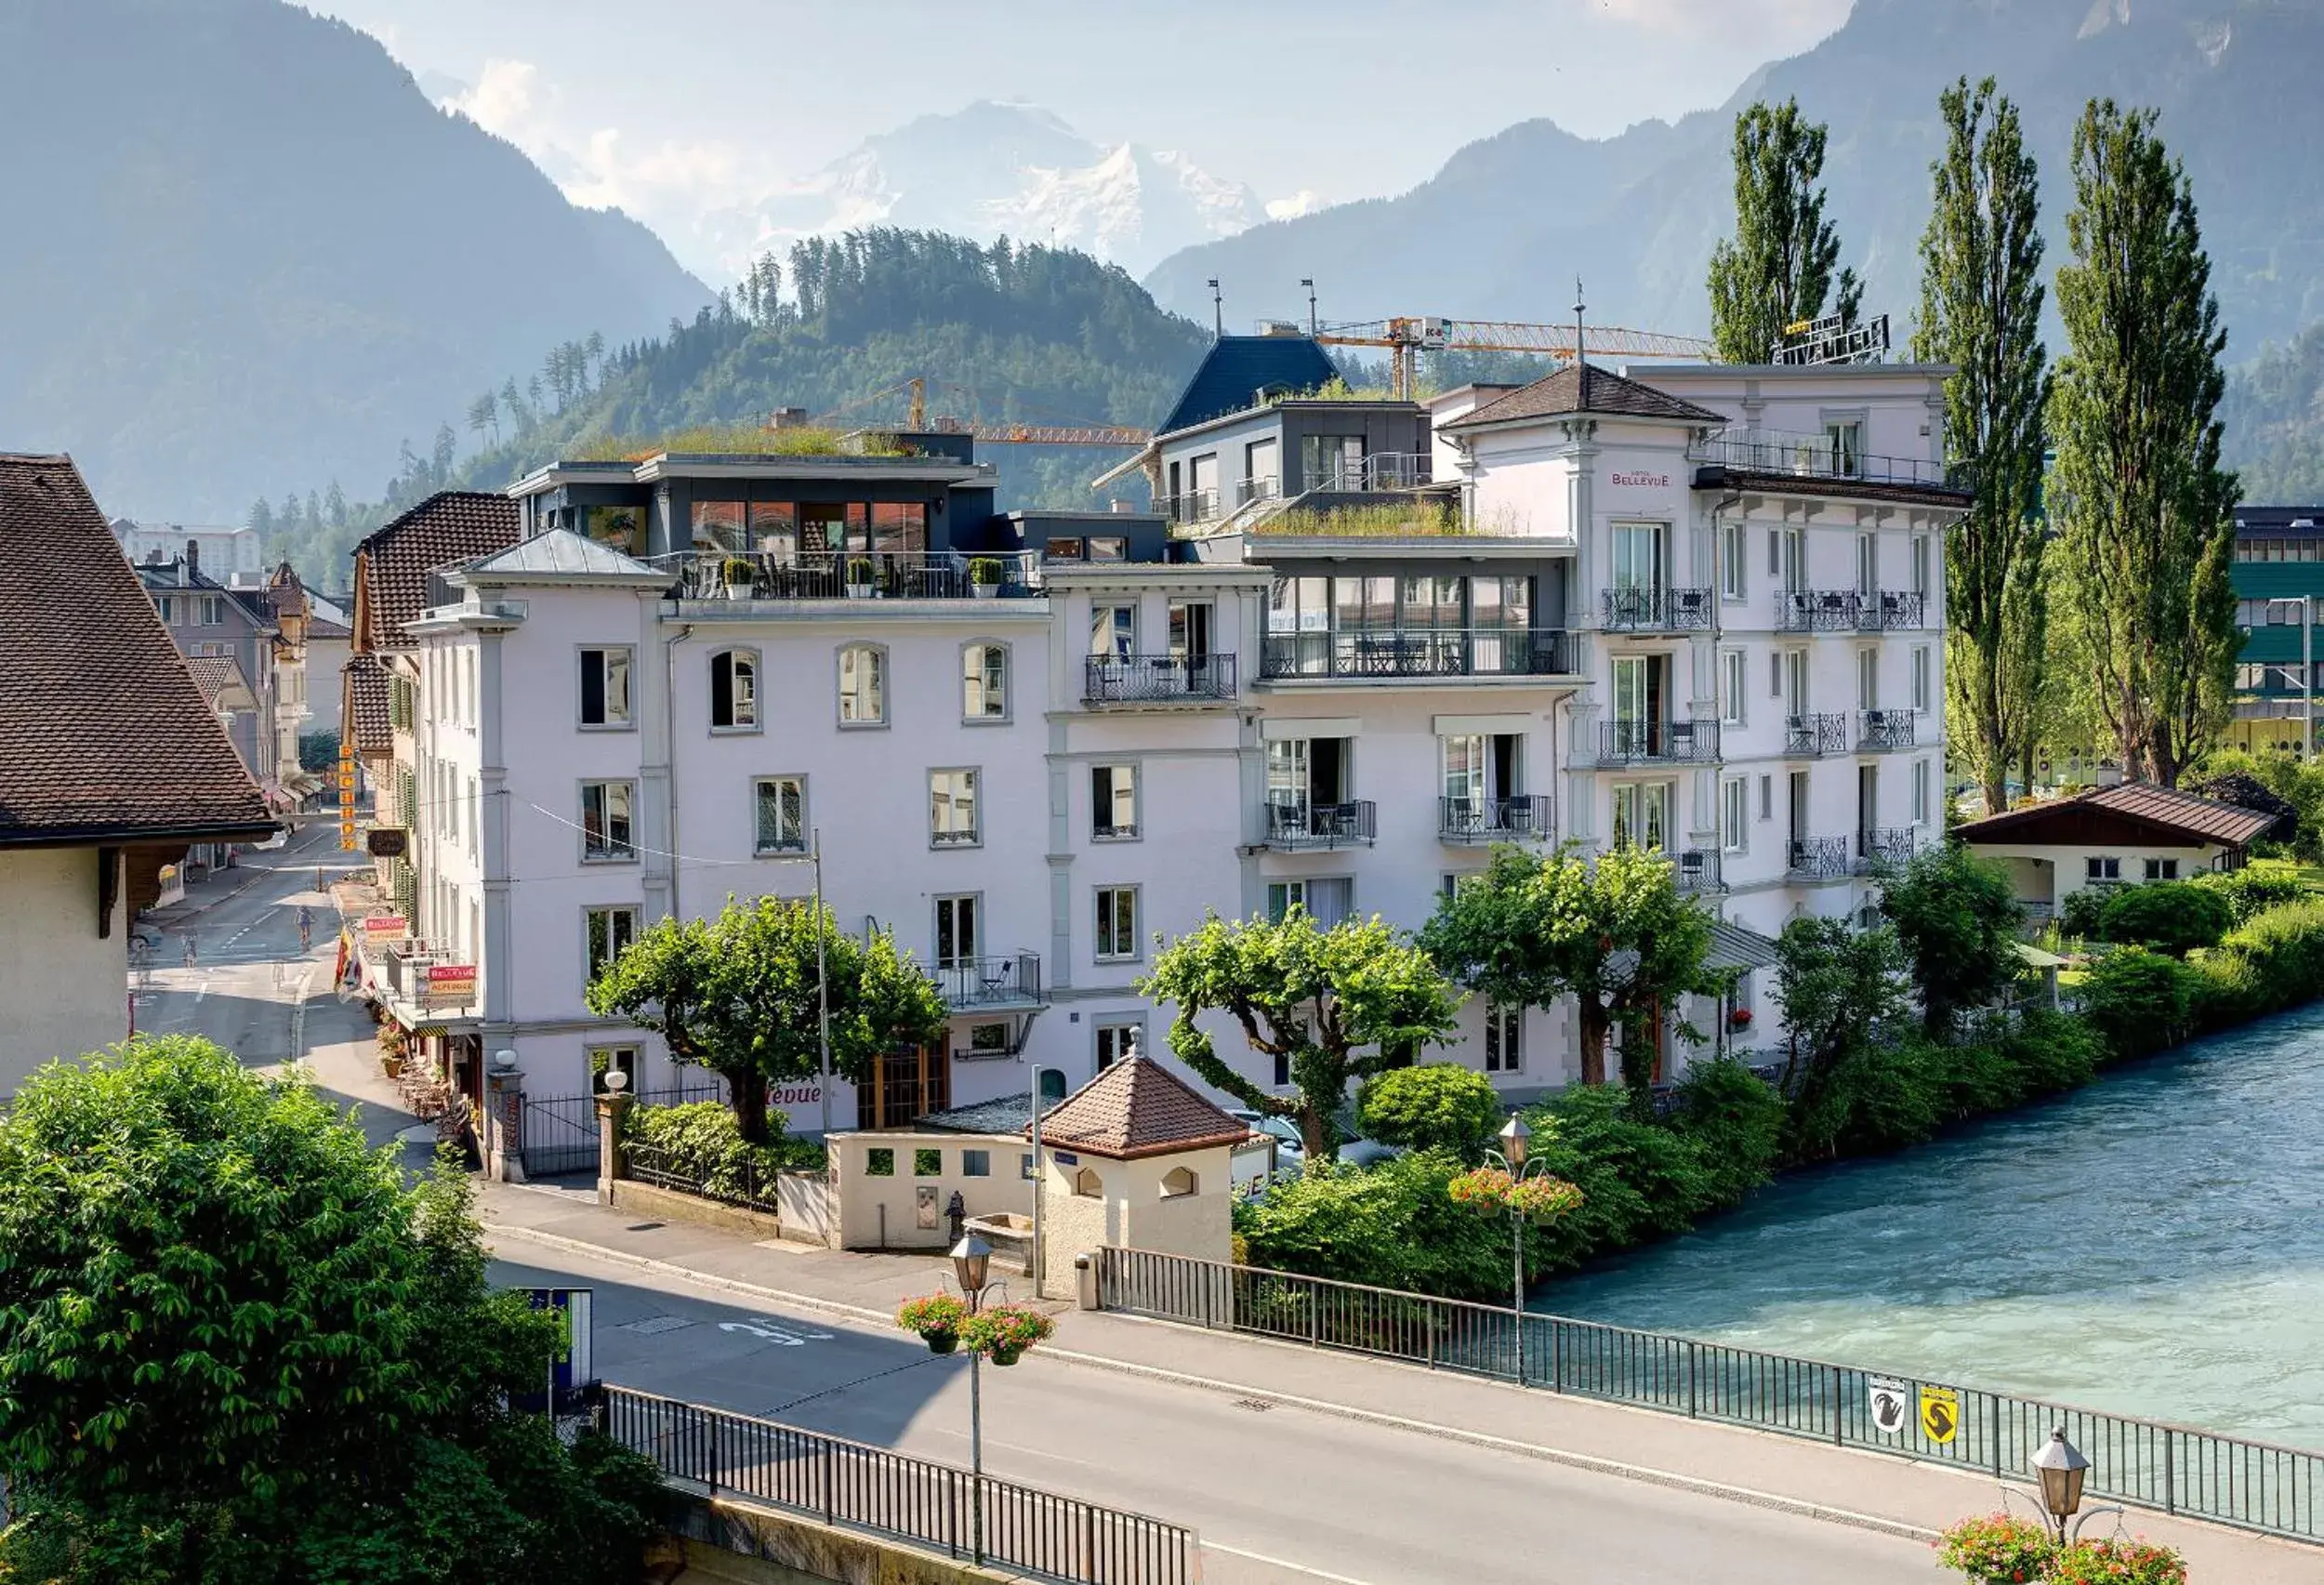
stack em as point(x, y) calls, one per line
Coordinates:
point(1291, 1151)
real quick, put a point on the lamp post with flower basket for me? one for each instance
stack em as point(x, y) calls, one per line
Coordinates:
point(1528, 1192)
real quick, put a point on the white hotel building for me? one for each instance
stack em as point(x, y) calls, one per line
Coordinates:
point(1703, 613)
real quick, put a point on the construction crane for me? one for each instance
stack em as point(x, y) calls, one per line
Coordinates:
point(1409, 337)
point(917, 420)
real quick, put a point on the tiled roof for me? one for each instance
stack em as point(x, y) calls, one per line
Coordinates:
point(392, 563)
point(2185, 814)
point(1584, 388)
point(107, 738)
point(364, 705)
point(1737, 946)
point(1237, 368)
point(218, 674)
point(1138, 1107)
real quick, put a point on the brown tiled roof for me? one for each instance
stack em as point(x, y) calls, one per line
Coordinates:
point(392, 564)
point(2186, 815)
point(109, 739)
point(1138, 1107)
point(1586, 389)
point(364, 705)
point(214, 674)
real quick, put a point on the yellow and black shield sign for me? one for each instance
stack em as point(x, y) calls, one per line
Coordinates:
point(1940, 1413)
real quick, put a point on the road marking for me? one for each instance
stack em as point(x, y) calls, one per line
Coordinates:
point(761, 1325)
point(1279, 1563)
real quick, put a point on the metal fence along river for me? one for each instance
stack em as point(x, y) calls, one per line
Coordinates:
point(2145, 1464)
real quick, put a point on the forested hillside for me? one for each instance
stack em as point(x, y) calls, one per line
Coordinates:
point(2274, 414)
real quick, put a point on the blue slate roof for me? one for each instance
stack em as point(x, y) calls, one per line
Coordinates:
point(1238, 367)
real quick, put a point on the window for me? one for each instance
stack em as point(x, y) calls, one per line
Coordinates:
point(1845, 440)
point(1024, 1162)
point(1327, 901)
point(1919, 792)
point(1641, 557)
point(956, 931)
point(1118, 923)
point(879, 1162)
point(1731, 553)
point(779, 804)
point(1283, 1069)
point(1767, 798)
point(1867, 679)
point(1789, 547)
point(1112, 631)
point(1920, 678)
point(1921, 566)
point(1504, 1039)
point(1114, 802)
point(605, 687)
point(1178, 1182)
point(1061, 550)
point(1087, 1185)
point(1642, 814)
point(976, 1164)
point(735, 692)
point(1731, 686)
point(863, 686)
point(1868, 565)
point(1109, 548)
point(952, 808)
point(213, 610)
point(2099, 869)
point(167, 605)
point(2162, 869)
point(1734, 813)
point(1190, 629)
point(1118, 1043)
point(622, 1060)
point(606, 831)
point(985, 683)
point(720, 524)
point(928, 1163)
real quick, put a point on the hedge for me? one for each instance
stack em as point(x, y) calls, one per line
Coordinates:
point(701, 1140)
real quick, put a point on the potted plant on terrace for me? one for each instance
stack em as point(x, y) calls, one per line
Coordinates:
point(738, 571)
point(938, 1319)
point(859, 579)
point(1002, 1333)
point(984, 576)
point(1740, 1019)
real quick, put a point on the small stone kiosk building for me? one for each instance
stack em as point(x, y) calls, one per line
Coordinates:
point(1136, 1157)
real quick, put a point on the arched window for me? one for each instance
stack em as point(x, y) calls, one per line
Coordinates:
point(734, 691)
point(985, 683)
point(1088, 1184)
point(863, 685)
point(1179, 1182)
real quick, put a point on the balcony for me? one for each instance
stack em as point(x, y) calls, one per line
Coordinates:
point(1299, 826)
point(1817, 858)
point(1011, 983)
point(1890, 609)
point(1885, 729)
point(1655, 610)
point(1190, 506)
point(1377, 474)
point(1883, 848)
point(1698, 871)
point(1471, 821)
point(1823, 459)
point(1159, 679)
point(1817, 610)
point(855, 574)
point(1812, 736)
point(1419, 653)
point(1677, 743)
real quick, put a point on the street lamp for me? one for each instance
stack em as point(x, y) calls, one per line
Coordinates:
point(1516, 1138)
point(2306, 602)
point(971, 1261)
point(2061, 1466)
point(813, 855)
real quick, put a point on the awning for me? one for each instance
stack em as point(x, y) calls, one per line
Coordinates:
point(2034, 958)
point(1732, 947)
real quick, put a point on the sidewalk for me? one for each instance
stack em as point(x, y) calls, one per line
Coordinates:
point(1791, 1474)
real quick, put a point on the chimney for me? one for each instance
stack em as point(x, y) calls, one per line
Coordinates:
point(194, 559)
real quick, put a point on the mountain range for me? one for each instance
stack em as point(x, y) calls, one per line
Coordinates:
point(248, 253)
point(1504, 228)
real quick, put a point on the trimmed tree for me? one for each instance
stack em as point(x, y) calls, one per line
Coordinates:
point(1617, 935)
point(1431, 1106)
point(1981, 298)
point(1331, 1005)
point(737, 994)
point(2142, 505)
point(1956, 917)
point(1778, 268)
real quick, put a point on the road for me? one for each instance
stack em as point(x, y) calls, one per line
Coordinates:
point(1280, 1495)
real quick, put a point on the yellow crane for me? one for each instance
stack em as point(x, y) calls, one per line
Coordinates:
point(1407, 337)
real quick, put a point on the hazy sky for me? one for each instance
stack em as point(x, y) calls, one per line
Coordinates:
point(680, 109)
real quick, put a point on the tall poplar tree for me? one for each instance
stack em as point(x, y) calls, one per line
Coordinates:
point(1981, 311)
point(2142, 505)
point(1778, 268)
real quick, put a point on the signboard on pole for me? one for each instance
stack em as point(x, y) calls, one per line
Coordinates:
point(347, 796)
point(385, 927)
point(1888, 1399)
point(573, 1371)
point(451, 984)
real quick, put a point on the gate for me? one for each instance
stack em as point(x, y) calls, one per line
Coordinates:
point(557, 1135)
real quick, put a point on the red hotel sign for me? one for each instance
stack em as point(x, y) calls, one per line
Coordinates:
point(451, 984)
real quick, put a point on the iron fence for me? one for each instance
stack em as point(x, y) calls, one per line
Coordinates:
point(1691, 742)
point(856, 574)
point(855, 1486)
point(557, 1134)
point(737, 1182)
point(1475, 820)
point(1816, 858)
point(1301, 826)
point(1165, 678)
point(1888, 729)
point(1812, 736)
point(1422, 651)
point(1653, 609)
point(2176, 1469)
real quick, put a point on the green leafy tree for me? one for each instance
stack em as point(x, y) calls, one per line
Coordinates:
point(1956, 916)
point(1333, 1005)
point(1778, 270)
point(1981, 299)
point(1836, 987)
point(738, 995)
point(236, 1346)
point(1434, 1106)
point(1617, 935)
point(2142, 507)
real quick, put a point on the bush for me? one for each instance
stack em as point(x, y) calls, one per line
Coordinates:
point(1436, 1105)
point(1957, 917)
point(2255, 888)
point(700, 1140)
point(1877, 1098)
point(2138, 1001)
point(2081, 914)
point(984, 570)
point(1640, 1180)
point(1735, 1121)
point(2167, 916)
point(1391, 1225)
point(2272, 961)
point(2053, 1051)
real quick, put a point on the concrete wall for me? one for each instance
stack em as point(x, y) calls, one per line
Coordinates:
point(63, 990)
point(884, 1212)
point(739, 1544)
point(1131, 1210)
point(2049, 874)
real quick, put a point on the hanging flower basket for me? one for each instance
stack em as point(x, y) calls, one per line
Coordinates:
point(1488, 1191)
point(1997, 1546)
point(1739, 1019)
point(938, 1318)
point(1003, 1333)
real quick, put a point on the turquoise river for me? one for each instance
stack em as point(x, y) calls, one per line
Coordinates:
point(2152, 1245)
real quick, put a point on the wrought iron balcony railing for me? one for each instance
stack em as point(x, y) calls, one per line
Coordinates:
point(1699, 870)
point(1686, 742)
point(1474, 820)
point(1150, 680)
point(1653, 610)
point(1817, 610)
point(1423, 652)
point(1812, 736)
point(1888, 729)
point(1817, 858)
point(1822, 456)
point(1299, 826)
point(833, 574)
point(1890, 609)
point(1011, 980)
point(1883, 848)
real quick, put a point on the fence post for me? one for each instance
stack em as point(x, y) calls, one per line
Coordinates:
point(1994, 1422)
point(1837, 1437)
point(609, 1110)
point(1557, 1357)
point(717, 1463)
point(830, 1497)
point(2169, 1474)
point(1693, 1352)
point(1089, 1543)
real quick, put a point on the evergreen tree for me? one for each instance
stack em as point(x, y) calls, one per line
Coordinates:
point(262, 518)
point(2142, 505)
point(1981, 310)
point(485, 413)
point(1778, 268)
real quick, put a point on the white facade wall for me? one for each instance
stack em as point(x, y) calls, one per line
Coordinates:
point(63, 988)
